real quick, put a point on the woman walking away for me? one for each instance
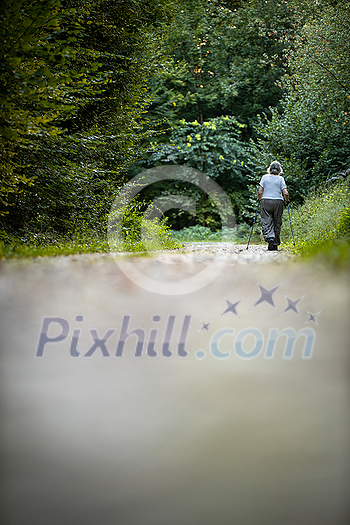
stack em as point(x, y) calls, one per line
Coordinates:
point(272, 187)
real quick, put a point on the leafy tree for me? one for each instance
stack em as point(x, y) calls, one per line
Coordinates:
point(312, 136)
point(73, 79)
point(214, 148)
point(36, 39)
point(223, 60)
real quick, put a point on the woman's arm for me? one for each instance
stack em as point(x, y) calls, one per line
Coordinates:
point(260, 193)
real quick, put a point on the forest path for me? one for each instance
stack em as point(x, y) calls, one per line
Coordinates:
point(237, 252)
point(206, 425)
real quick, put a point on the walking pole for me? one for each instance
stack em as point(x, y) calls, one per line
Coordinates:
point(251, 231)
point(290, 221)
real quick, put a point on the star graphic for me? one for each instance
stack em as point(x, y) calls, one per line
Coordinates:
point(266, 296)
point(205, 326)
point(312, 317)
point(292, 305)
point(231, 307)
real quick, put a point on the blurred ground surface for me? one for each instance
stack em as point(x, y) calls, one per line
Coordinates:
point(192, 440)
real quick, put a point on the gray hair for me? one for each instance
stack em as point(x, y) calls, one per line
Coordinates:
point(275, 167)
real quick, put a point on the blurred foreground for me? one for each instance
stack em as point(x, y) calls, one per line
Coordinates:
point(191, 432)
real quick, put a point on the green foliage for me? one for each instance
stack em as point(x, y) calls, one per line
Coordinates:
point(335, 253)
point(253, 56)
point(322, 221)
point(140, 233)
point(237, 235)
point(223, 60)
point(87, 88)
point(73, 90)
point(33, 38)
point(214, 148)
point(343, 226)
point(203, 234)
point(311, 138)
point(18, 250)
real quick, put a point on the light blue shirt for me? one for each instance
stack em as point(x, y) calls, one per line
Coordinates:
point(273, 186)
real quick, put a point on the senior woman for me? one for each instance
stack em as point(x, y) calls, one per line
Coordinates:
point(271, 191)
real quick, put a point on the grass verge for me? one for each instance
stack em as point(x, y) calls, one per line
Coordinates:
point(322, 225)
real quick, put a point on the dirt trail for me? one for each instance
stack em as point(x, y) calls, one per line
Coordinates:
point(237, 252)
point(216, 390)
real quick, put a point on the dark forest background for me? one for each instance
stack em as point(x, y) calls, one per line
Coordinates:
point(94, 92)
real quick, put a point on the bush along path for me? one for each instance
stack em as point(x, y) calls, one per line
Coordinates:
point(321, 228)
point(322, 224)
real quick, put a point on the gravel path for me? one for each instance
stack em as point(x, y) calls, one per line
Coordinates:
point(191, 252)
point(192, 421)
point(235, 252)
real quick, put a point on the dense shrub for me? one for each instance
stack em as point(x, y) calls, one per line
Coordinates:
point(322, 217)
point(309, 133)
point(137, 234)
point(343, 227)
point(322, 224)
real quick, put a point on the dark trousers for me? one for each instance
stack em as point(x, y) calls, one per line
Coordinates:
point(271, 219)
